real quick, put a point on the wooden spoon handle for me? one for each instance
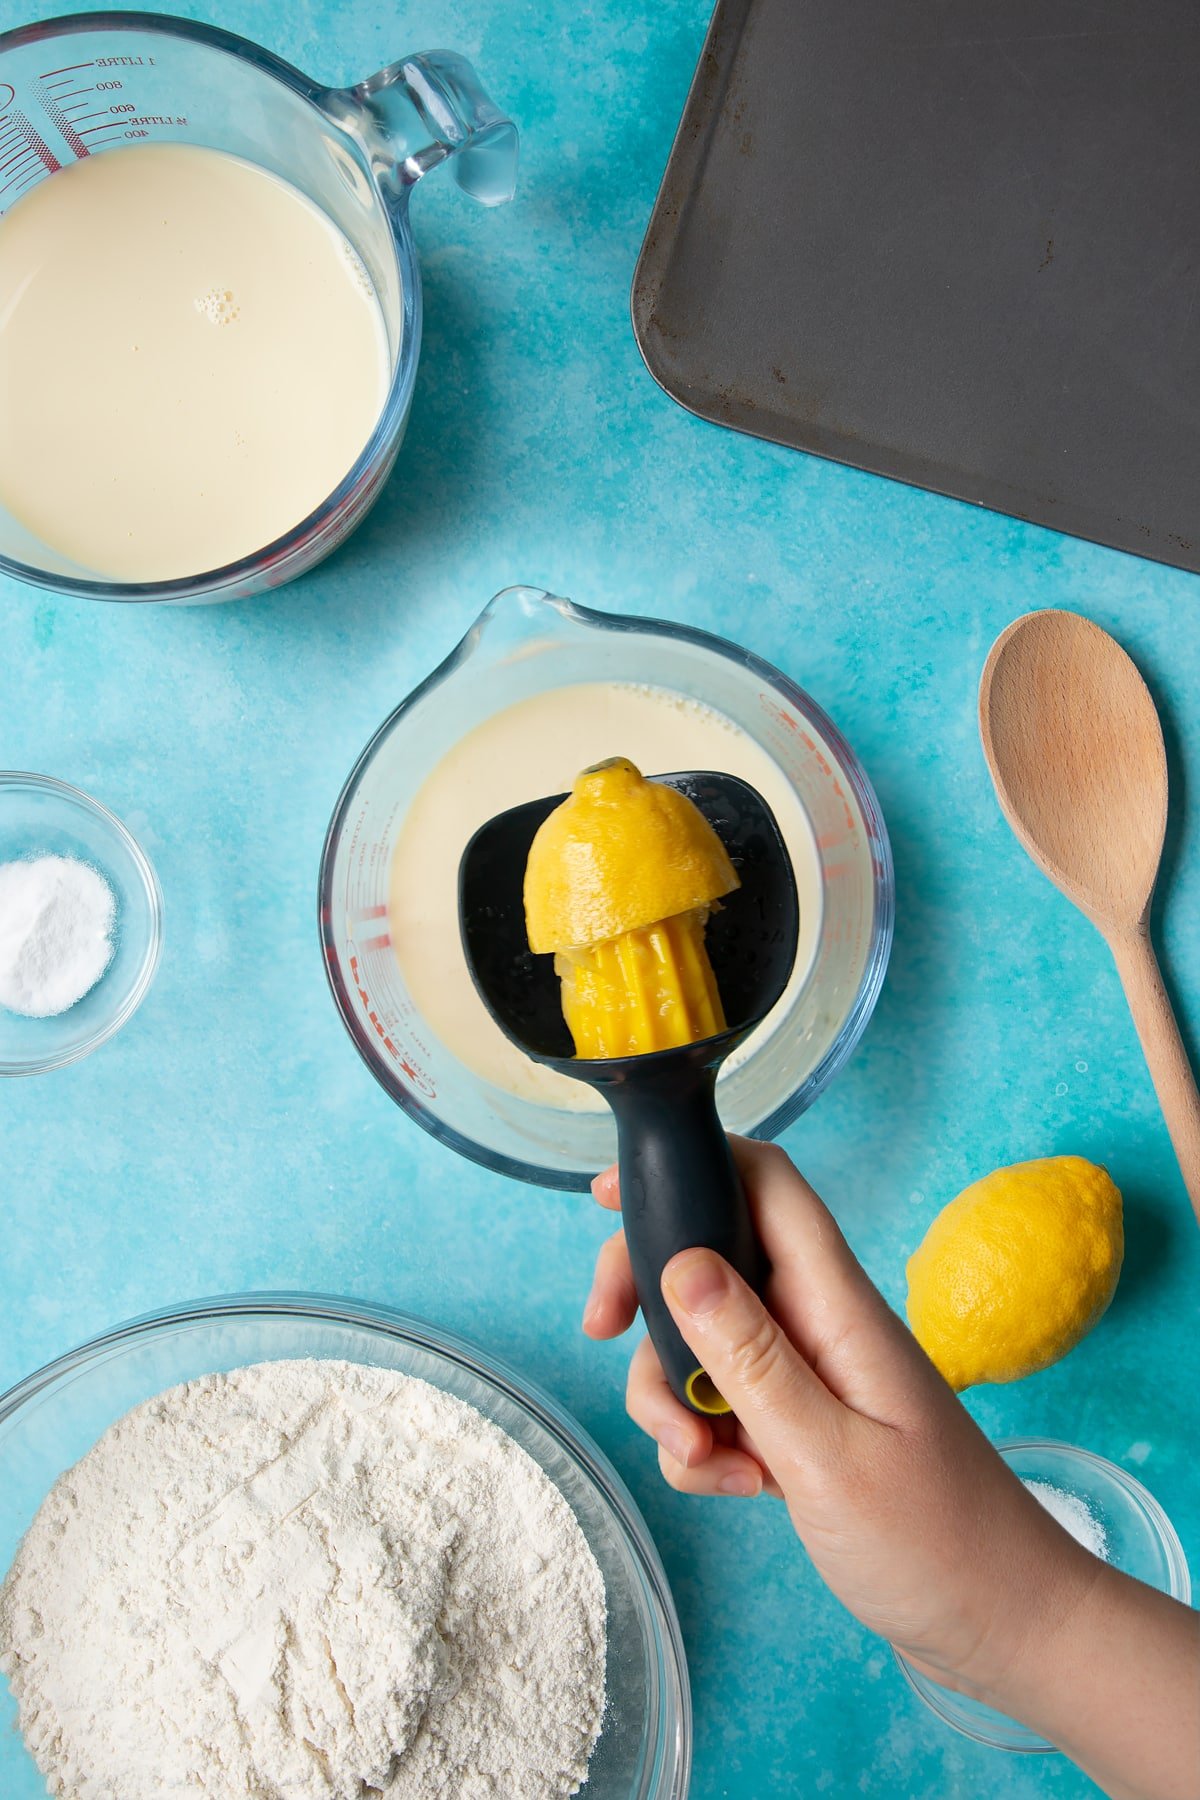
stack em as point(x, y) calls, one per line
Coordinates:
point(1163, 1049)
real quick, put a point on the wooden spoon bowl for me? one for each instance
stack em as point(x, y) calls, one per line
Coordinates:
point(1075, 749)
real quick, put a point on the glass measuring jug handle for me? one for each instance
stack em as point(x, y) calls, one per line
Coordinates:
point(431, 108)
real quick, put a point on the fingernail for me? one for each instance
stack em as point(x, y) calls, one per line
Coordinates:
point(695, 1280)
point(676, 1442)
point(591, 1311)
point(744, 1485)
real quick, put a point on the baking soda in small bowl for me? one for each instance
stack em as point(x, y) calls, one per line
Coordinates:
point(81, 924)
point(1073, 1514)
point(56, 925)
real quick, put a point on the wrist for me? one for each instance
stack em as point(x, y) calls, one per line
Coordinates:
point(1018, 1615)
point(1117, 1687)
point(1037, 1630)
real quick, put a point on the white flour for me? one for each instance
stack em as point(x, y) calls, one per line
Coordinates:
point(306, 1581)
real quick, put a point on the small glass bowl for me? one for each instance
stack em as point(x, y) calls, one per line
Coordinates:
point(43, 817)
point(1140, 1540)
point(53, 1418)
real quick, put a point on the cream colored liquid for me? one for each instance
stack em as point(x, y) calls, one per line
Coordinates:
point(191, 359)
point(534, 748)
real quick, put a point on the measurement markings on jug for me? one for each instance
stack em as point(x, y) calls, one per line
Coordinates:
point(66, 101)
point(138, 128)
point(24, 155)
point(404, 1057)
point(63, 125)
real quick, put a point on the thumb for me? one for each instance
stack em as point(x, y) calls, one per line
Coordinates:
point(754, 1365)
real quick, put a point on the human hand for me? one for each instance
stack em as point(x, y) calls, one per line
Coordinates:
point(908, 1513)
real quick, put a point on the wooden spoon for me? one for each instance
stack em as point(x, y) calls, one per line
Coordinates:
point(1075, 749)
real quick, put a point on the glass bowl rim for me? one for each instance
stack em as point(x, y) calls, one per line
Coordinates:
point(931, 1693)
point(495, 1373)
point(883, 880)
point(63, 790)
point(400, 387)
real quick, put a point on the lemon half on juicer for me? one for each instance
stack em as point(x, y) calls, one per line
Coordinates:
point(620, 882)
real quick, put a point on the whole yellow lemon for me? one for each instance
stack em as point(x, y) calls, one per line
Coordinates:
point(1014, 1272)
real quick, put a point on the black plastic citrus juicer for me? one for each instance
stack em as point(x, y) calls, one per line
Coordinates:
point(680, 1188)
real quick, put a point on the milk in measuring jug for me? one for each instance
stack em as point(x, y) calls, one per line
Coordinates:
point(191, 359)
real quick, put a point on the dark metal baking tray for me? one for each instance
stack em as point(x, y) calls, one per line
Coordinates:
point(954, 243)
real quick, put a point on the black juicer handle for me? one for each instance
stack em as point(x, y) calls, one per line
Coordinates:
point(680, 1190)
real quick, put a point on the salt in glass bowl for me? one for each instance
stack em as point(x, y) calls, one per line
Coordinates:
point(1139, 1538)
point(43, 817)
point(51, 1419)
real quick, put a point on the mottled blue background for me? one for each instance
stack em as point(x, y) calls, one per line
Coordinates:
point(231, 1139)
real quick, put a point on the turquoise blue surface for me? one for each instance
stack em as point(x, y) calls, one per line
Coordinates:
point(230, 1138)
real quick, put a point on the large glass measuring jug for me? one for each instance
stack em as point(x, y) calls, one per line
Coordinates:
point(91, 83)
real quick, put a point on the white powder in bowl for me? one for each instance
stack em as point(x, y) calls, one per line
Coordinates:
point(1074, 1514)
point(306, 1581)
point(56, 920)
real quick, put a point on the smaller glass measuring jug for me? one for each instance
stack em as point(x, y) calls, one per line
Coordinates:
point(525, 643)
point(83, 85)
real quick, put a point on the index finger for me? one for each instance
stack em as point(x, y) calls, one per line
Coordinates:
point(825, 1300)
point(606, 1189)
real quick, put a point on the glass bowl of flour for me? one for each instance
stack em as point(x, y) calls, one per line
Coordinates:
point(56, 1417)
point(80, 924)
